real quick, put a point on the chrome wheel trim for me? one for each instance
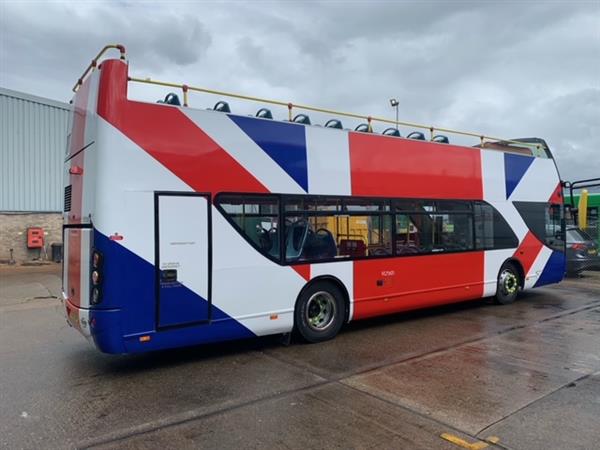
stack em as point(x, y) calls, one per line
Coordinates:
point(320, 311)
point(508, 282)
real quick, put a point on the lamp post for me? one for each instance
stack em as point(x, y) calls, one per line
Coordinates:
point(395, 104)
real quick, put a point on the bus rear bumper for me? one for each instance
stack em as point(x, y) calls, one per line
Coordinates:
point(101, 326)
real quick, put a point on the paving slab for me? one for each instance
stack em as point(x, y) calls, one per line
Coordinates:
point(327, 417)
point(567, 419)
point(56, 389)
point(20, 284)
point(473, 386)
point(373, 343)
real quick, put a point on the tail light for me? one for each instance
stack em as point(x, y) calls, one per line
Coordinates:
point(578, 246)
point(96, 259)
point(96, 278)
point(96, 297)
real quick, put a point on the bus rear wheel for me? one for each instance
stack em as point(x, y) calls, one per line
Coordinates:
point(508, 284)
point(319, 313)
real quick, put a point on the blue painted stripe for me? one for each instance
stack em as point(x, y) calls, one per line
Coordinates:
point(284, 142)
point(129, 307)
point(554, 270)
point(515, 167)
point(179, 305)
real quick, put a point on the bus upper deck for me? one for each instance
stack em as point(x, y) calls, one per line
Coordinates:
point(297, 113)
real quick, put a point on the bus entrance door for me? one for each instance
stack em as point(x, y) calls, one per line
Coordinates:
point(183, 257)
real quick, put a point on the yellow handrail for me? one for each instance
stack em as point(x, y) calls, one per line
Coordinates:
point(94, 62)
point(185, 88)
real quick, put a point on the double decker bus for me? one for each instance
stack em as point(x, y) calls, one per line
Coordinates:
point(185, 226)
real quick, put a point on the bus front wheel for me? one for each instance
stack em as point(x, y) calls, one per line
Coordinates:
point(319, 313)
point(508, 284)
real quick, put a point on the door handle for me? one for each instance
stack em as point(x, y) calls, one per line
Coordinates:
point(168, 275)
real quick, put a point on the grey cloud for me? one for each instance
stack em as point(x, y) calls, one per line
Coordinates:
point(501, 68)
point(59, 41)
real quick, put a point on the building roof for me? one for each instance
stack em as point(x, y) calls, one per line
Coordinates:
point(33, 98)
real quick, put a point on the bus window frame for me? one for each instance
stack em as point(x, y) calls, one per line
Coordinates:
point(391, 211)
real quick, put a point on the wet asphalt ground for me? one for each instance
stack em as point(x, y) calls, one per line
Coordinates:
point(526, 376)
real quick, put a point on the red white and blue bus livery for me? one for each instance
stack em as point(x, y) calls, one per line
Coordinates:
point(187, 226)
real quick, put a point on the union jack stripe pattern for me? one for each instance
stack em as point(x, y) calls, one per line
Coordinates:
point(134, 149)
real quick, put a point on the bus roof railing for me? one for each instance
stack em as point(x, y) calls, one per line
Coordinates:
point(291, 106)
point(581, 184)
point(94, 62)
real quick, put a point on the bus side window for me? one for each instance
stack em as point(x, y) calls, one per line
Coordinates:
point(256, 218)
point(407, 235)
point(337, 228)
point(491, 229)
point(554, 230)
point(296, 234)
point(544, 220)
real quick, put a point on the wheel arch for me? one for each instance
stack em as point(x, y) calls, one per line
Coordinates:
point(338, 283)
point(515, 262)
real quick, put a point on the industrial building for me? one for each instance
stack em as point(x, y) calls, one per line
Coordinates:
point(33, 140)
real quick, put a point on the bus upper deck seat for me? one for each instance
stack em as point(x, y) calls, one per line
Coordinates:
point(363, 128)
point(222, 106)
point(264, 113)
point(171, 99)
point(353, 247)
point(416, 135)
point(391, 132)
point(441, 139)
point(334, 123)
point(302, 118)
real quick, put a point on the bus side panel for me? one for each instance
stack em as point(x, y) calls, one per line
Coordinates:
point(408, 168)
point(383, 286)
point(554, 270)
point(253, 290)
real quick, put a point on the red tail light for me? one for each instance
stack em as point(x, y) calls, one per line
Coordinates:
point(578, 246)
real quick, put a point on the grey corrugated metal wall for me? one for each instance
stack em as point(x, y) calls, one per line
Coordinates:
point(33, 135)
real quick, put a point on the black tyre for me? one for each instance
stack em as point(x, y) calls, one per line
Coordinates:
point(320, 312)
point(509, 281)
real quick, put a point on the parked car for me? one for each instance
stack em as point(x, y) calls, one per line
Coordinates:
point(582, 252)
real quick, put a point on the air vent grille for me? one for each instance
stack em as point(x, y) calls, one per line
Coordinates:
point(68, 198)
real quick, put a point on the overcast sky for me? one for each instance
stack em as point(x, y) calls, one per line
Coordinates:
point(501, 68)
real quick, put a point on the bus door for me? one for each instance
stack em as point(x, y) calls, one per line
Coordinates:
point(183, 258)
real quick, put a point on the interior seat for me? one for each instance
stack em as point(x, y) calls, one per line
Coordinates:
point(391, 132)
point(302, 118)
point(264, 113)
point(171, 99)
point(363, 128)
point(222, 106)
point(416, 135)
point(334, 123)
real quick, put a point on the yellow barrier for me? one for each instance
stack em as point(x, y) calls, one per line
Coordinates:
point(582, 209)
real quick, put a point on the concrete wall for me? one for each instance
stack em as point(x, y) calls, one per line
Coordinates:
point(13, 234)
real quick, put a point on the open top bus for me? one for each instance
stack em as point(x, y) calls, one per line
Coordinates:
point(185, 226)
